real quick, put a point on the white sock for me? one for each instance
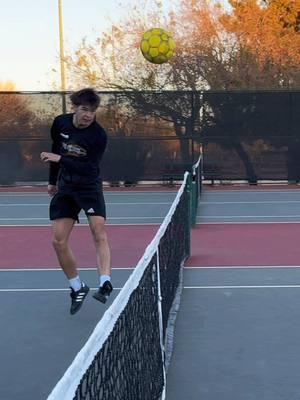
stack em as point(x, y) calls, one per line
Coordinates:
point(103, 278)
point(75, 283)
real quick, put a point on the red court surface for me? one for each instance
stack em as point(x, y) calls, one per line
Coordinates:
point(30, 246)
point(270, 244)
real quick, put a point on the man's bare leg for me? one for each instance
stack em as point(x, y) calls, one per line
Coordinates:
point(61, 230)
point(97, 226)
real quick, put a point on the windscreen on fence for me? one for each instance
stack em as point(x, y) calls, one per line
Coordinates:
point(157, 136)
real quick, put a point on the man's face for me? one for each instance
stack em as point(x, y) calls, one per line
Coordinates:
point(84, 115)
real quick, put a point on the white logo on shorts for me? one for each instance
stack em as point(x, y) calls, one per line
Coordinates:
point(91, 210)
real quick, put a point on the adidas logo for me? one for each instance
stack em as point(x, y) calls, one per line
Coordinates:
point(80, 297)
point(91, 210)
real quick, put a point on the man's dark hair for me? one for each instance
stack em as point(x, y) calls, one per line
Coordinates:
point(87, 97)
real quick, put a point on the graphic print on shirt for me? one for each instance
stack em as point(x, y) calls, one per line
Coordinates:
point(74, 150)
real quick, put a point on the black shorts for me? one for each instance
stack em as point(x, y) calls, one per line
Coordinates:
point(69, 203)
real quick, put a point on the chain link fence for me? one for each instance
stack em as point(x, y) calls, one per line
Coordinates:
point(154, 136)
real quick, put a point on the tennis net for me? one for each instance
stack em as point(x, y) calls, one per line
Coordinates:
point(128, 352)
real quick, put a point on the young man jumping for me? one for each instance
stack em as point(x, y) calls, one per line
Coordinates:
point(78, 144)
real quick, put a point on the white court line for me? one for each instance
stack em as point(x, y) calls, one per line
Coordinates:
point(58, 269)
point(47, 219)
point(255, 192)
point(32, 290)
point(244, 222)
point(25, 219)
point(215, 267)
point(160, 193)
point(82, 224)
point(248, 216)
point(23, 204)
point(106, 193)
point(13, 194)
point(12, 290)
point(125, 193)
point(244, 287)
point(250, 202)
point(164, 203)
point(107, 203)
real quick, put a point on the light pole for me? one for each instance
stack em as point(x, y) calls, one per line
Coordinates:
point(62, 56)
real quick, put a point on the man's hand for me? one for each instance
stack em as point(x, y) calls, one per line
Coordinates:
point(46, 157)
point(52, 190)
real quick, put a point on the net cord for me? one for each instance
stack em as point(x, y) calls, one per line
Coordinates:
point(67, 385)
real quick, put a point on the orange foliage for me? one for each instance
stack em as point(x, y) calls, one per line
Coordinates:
point(14, 114)
point(254, 45)
point(269, 30)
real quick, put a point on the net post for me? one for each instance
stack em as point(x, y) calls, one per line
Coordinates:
point(200, 175)
point(196, 188)
point(187, 221)
point(190, 192)
point(194, 196)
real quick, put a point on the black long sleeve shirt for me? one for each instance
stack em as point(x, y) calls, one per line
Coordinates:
point(81, 151)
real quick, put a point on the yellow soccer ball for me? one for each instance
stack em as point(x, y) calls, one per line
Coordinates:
point(157, 46)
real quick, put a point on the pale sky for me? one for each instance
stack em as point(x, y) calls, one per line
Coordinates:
point(29, 32)
point(29, 44)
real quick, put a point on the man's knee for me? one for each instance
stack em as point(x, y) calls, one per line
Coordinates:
point(99, 234)
point(59, 244)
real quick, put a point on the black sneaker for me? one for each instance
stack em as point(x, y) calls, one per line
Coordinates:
point(78, 297)
point(103, 292)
